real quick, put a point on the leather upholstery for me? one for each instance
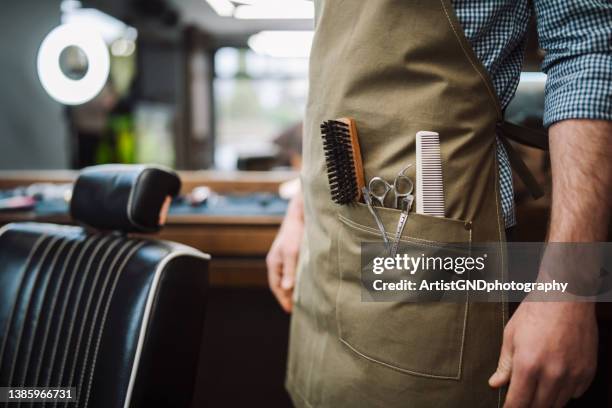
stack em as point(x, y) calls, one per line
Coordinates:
point(122, 197)
point(118, 318)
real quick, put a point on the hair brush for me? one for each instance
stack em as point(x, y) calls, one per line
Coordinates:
point(343, 160)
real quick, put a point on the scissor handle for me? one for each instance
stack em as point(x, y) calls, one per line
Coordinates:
point(380, 188)
point(403, 171)
point(402, 191)
point(375, 184)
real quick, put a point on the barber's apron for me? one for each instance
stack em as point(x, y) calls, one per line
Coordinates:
point(396, 67)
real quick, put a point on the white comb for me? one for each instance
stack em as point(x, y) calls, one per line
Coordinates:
point(429, 182)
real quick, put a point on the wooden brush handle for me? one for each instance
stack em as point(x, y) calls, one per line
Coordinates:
point(357, 161)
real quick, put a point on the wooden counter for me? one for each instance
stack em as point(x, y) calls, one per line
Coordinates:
point(219, 181)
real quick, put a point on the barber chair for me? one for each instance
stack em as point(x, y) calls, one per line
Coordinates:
point(118, 318)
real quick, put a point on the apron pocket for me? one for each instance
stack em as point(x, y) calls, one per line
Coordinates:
point(419, 338)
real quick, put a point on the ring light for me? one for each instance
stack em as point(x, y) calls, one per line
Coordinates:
point(60, 87)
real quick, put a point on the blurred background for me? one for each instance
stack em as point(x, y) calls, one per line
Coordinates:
point(192, 84)
point(217, 90)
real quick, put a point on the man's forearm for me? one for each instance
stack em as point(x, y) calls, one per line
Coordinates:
point(581, 160)
point(549, 351)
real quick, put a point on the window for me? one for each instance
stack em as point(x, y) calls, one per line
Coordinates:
point(257, 98)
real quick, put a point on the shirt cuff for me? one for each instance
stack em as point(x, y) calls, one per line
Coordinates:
point(579, 87)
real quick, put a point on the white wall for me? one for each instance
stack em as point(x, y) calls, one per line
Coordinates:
point(33, 129)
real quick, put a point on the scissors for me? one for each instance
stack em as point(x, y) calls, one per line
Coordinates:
point(379, 223)
point(402, 188)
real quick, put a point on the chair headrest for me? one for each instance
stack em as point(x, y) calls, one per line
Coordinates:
point(125, 198)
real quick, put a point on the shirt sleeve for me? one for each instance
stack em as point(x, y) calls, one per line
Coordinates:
point(577, 38)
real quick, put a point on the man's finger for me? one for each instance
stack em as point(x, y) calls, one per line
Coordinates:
point(289, 264)
point(549, 386)
point(275, 268)
point(275, 272)
point(285, 302)
point(581, 389)
point(287, 280)
point(504, 365)
point(522, 385)
point(585, 382)
point(565, 394)
point(283, 297)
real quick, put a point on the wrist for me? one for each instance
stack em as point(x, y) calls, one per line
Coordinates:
point(584, 311)
point(566, 226)
point(579, 310)
point(576, 311)
point(296, 207)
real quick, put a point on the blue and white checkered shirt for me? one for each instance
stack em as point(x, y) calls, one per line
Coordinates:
point(577, 38)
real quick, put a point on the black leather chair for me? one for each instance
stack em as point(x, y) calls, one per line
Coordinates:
point(119, 318)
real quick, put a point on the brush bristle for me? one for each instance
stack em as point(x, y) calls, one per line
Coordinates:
point(339, 161)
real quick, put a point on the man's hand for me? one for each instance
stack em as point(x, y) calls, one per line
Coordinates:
point(283, 256)
point(549, 349)
point(549, 354)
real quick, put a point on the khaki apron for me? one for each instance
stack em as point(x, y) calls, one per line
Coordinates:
point(396, 67)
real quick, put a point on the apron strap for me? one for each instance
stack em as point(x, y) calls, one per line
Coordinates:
point(524, 135)
point(529, 137)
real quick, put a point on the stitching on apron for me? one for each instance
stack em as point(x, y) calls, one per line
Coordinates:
point(411, 240)
point(403, 370)
point(467, 54)
point(465, 317)
point(499, 232)
point(337, 266)
point(292, 388)
point(352, 224)
point(465, 320)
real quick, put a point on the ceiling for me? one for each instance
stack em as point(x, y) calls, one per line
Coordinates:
point(224, 30)
point(199, 13)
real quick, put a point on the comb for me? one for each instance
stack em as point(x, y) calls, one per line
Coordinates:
point(429, 182)
point(343, 160)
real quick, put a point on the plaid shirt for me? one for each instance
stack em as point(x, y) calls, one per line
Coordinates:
point(577, 38)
